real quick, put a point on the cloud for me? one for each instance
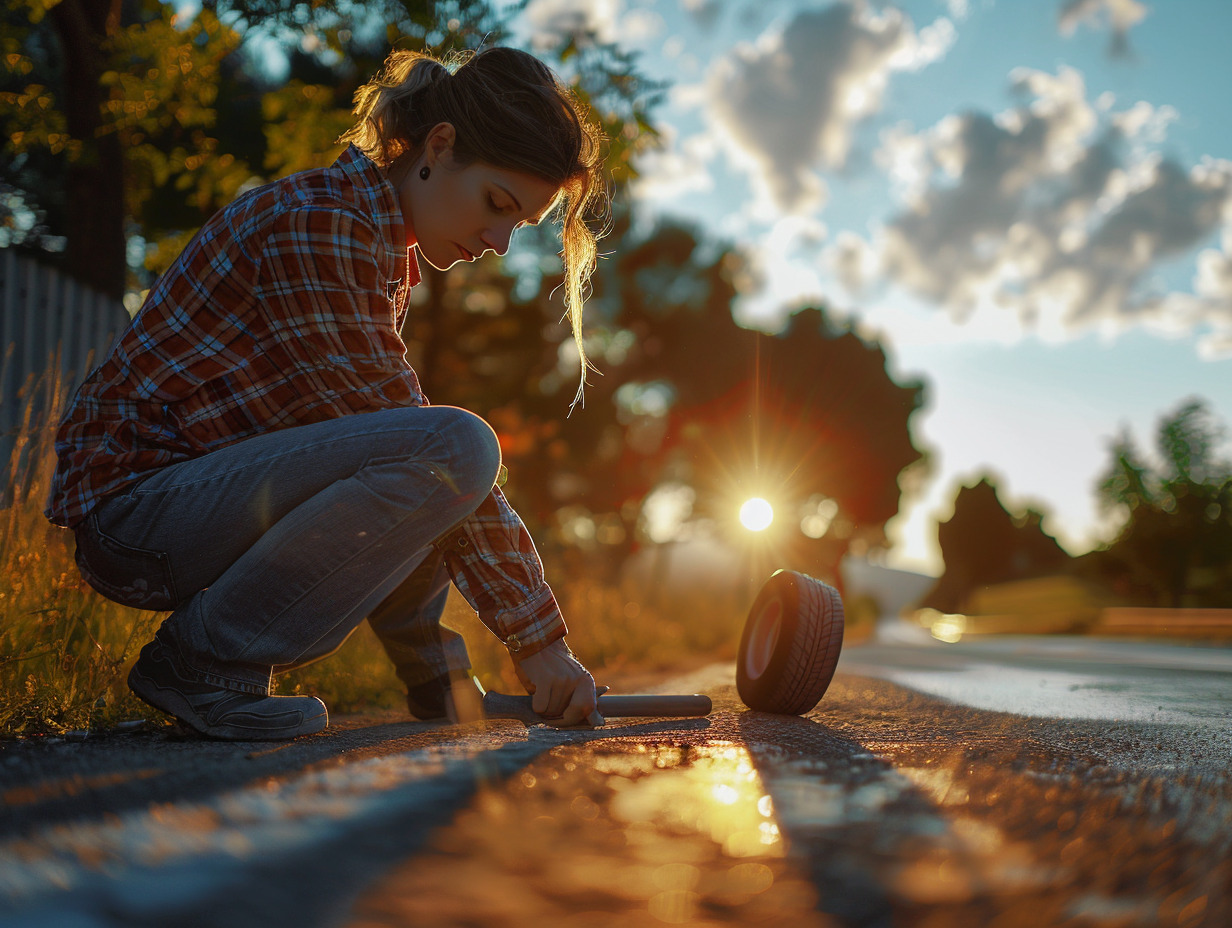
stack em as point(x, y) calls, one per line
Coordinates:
point(704, 12)
point(1214, 277)
point(1119, 15)
point(853, 261)
point(552, 22)
point(788, 102)
point(1213, 296)
point(1056, 212)
point(676, 167)
point(783, 271)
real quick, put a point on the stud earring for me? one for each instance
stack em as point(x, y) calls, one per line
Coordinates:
point(424, 172)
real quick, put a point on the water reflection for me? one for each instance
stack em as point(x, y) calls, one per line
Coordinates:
point(711, 789)
point(607, 833)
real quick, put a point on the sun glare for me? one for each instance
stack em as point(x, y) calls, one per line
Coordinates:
point(756, 514)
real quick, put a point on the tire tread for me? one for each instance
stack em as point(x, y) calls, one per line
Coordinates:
point(812, 651)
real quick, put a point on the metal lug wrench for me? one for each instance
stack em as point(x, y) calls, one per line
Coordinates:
point(500, 706)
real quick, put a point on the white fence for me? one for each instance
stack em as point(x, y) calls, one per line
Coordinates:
point(53, 326)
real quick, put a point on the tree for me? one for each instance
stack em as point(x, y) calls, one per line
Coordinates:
point(983, 544)
point(129, 124)
point(1175, 548)
point(67, 121)
point(808, 417)
point(113, 110)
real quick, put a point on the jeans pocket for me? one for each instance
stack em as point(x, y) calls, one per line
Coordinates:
point(129, 576)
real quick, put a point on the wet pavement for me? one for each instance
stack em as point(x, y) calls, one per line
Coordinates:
point(887, 805)
point(1066, 676)
point(613, 833)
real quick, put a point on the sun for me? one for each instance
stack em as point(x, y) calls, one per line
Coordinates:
point(756, 514)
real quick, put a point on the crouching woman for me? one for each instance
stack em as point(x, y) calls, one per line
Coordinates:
point(256, 454)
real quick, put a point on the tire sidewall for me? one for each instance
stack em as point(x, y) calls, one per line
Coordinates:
point(785, 587)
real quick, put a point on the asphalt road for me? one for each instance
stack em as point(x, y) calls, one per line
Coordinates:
point(995, 783)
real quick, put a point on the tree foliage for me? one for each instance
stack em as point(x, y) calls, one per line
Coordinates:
point(1175, 548)
point(984, 544)
point(808, 417)
point(114, 117)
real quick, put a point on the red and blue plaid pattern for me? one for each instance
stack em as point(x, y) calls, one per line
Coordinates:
point(284, 310)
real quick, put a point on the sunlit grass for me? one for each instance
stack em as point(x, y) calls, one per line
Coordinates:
point(65, 650)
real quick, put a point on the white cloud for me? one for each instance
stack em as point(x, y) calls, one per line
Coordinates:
point(958, 9)
point(678, 166)
point(1055, 212)
point(1214, 278)
point(641, 26)
point(1213, 293)
point(551, 22)
point(789, 101)
point(1119, 15)
point(704, 12)
point(853, 261)
point(784, 269)
point(932, 43)
point(1144, 122)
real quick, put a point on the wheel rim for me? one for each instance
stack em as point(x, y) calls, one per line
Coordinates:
point(763, 639)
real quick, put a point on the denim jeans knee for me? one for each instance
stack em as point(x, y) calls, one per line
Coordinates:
point(474, 453)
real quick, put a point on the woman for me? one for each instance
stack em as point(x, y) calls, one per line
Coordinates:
point(256, 455)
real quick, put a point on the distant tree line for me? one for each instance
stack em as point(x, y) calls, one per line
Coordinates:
point(1174, 548)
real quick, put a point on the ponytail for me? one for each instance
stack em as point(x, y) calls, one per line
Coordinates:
point(385, 107)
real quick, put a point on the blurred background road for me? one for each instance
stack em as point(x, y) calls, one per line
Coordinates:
point(1067, 677)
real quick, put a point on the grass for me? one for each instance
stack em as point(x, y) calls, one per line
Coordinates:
point(65, 650)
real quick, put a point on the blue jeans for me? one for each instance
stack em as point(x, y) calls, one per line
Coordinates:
point(271, 551)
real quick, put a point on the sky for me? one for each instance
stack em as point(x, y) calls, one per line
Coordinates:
point(1027, 202)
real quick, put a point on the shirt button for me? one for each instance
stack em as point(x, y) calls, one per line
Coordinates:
point(513, 643)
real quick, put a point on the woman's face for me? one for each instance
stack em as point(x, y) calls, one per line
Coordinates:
point(459, 213)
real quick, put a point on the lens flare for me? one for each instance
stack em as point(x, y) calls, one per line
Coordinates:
point(756, 514)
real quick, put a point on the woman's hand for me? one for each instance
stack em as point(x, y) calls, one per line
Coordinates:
point(560, 687)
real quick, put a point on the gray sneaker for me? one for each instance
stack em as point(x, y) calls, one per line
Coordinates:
point(159, 679)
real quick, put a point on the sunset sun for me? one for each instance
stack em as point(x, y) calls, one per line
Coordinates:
point(756, 514)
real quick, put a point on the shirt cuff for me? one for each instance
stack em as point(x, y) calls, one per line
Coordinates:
point(530, 626)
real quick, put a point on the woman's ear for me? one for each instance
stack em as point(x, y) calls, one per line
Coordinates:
point(439, 143)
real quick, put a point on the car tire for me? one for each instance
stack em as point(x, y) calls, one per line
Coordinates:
point(790, 644)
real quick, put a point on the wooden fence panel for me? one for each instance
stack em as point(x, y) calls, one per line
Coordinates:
point(54, 333)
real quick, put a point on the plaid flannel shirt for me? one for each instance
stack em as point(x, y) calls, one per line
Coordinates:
point(285, 310)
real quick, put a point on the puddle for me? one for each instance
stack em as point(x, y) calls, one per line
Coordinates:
point(711, 790)
point(607, 833)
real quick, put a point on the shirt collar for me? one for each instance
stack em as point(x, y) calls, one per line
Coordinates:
point(375, 187)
